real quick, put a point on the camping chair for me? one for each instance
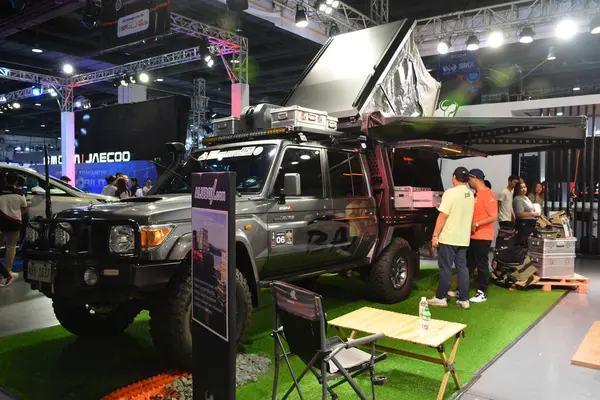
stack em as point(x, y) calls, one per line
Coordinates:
point(299, 320)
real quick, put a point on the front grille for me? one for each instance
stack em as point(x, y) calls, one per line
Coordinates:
point(88, 239)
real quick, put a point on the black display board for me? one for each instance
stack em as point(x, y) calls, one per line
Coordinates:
point(213, 276)
point(133, 131)
point(128, 21)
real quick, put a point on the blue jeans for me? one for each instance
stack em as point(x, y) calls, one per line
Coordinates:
point(457, 255)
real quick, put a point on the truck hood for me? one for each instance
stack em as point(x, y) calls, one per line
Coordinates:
point(150, 209)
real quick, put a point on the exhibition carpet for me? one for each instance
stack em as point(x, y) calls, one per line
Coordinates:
point(52, 364)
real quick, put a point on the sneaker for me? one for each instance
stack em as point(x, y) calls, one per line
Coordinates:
point(435, 302)
point(463, 304)
point(7, 281)
point(479, 297)
point(14, 275)
point(453, 294)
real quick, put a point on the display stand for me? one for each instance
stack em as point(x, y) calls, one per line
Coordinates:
point(213, 275)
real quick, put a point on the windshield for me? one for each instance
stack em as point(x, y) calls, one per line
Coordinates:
point(251, 163)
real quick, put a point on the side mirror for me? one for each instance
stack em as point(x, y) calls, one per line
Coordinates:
point(291, 184)
point(36, 190)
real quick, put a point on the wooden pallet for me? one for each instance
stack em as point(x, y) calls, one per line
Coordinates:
point(577, 282)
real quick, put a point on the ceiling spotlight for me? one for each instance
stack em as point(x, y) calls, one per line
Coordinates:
point(18, 148)
point(159, 79)
point(495, 39)
point(595, 25)
point(329, 2)
point(322, 7)
point(144, 78)
point(37, 50)
point(16, 105)
point(301, 18)
point(576, 87)
point(472, 43)
point(52, 92)
point(551, 55)
point(210, 63)
point(67, 68)
point(36, 91)
point(207, 58)
point(42, 126)
point(335, 4)
point(559, 114)
point(526, 35)
point(132, 79)
point(443, 46)
point(7, 130)
point(328, 10)
point(38, 105)
point(566, 29)
point(124, 82)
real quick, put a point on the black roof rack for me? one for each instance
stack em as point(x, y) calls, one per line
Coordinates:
point(301, 133)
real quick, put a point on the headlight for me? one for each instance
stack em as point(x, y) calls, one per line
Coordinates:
point(154, 235)
point(121, 239)
point(62, 234)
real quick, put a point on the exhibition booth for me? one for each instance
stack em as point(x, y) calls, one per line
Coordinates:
point(283, 257)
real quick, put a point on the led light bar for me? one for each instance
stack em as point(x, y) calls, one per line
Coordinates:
point(301, 132)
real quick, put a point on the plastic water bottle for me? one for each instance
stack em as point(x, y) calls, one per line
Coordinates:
point(426, 319)
point(422, 306)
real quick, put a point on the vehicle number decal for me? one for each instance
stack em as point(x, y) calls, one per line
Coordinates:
point(282, 238)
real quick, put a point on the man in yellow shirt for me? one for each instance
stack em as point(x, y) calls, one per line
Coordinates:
point(452, 235)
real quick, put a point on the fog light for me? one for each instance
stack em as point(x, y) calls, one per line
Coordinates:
point(90, 277)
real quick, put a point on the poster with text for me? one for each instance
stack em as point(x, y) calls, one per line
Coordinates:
point(214, 329)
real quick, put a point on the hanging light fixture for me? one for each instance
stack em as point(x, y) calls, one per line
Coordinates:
point(526, 35)
point(595, 25)
point(472, 43)
point(566, 29)
point(301, 18)
point(496, 39)
point(443, 46)
point(576, 87)
point(551, 55)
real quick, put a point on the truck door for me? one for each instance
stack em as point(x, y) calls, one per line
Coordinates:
point(301, 226)
point(355, 214)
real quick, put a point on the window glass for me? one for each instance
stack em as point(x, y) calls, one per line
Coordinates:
point(307, 163)
point(416, 168)
point(346, 175)
point(32, 181)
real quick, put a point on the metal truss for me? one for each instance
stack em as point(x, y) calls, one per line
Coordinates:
point(507, 17)
point(32, 77)
point(23, 93)
point(148, 64)
point(225, 42)
point(197, 117)
point(380, 11)
point(345, 17)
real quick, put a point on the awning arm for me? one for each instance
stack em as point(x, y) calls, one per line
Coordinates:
point(442, 148)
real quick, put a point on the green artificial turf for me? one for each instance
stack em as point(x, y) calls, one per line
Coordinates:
point(52, 364)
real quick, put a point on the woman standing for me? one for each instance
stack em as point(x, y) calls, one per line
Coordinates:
point(537, 197)
point(123, 191)
point(525, 214)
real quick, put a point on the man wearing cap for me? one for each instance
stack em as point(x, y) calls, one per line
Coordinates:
point(484, 216)
point(451, 236)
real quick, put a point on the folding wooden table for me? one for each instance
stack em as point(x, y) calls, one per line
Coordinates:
point(406, 328)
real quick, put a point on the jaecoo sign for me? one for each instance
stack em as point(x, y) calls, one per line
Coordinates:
point(210, 193)
point(107, 157)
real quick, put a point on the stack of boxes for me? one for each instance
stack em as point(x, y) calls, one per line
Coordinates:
point(553, 257)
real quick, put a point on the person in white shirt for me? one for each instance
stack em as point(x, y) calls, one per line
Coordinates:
point(12, 207)
point(148, 186)
point(110, 189)
point(506, 215)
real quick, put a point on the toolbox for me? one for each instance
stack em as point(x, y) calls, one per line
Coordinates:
point(300, 116)
point(553, 265)
point(545, 246)
point(226, 126)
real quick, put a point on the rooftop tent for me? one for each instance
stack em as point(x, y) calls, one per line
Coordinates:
point(490, 136)
point(374, 69)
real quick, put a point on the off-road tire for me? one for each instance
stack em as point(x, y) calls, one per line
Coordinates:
point(80, 320)
point(380, 276)
point(171, 312)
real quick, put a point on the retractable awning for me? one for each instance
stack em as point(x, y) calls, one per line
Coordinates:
point(486, 135)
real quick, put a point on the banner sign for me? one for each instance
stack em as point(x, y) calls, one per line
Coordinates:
point(127, 21)
point(92, 177)
point(460, 63)
point(213, 278)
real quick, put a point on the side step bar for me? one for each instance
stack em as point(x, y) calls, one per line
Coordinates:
point(291, 277)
